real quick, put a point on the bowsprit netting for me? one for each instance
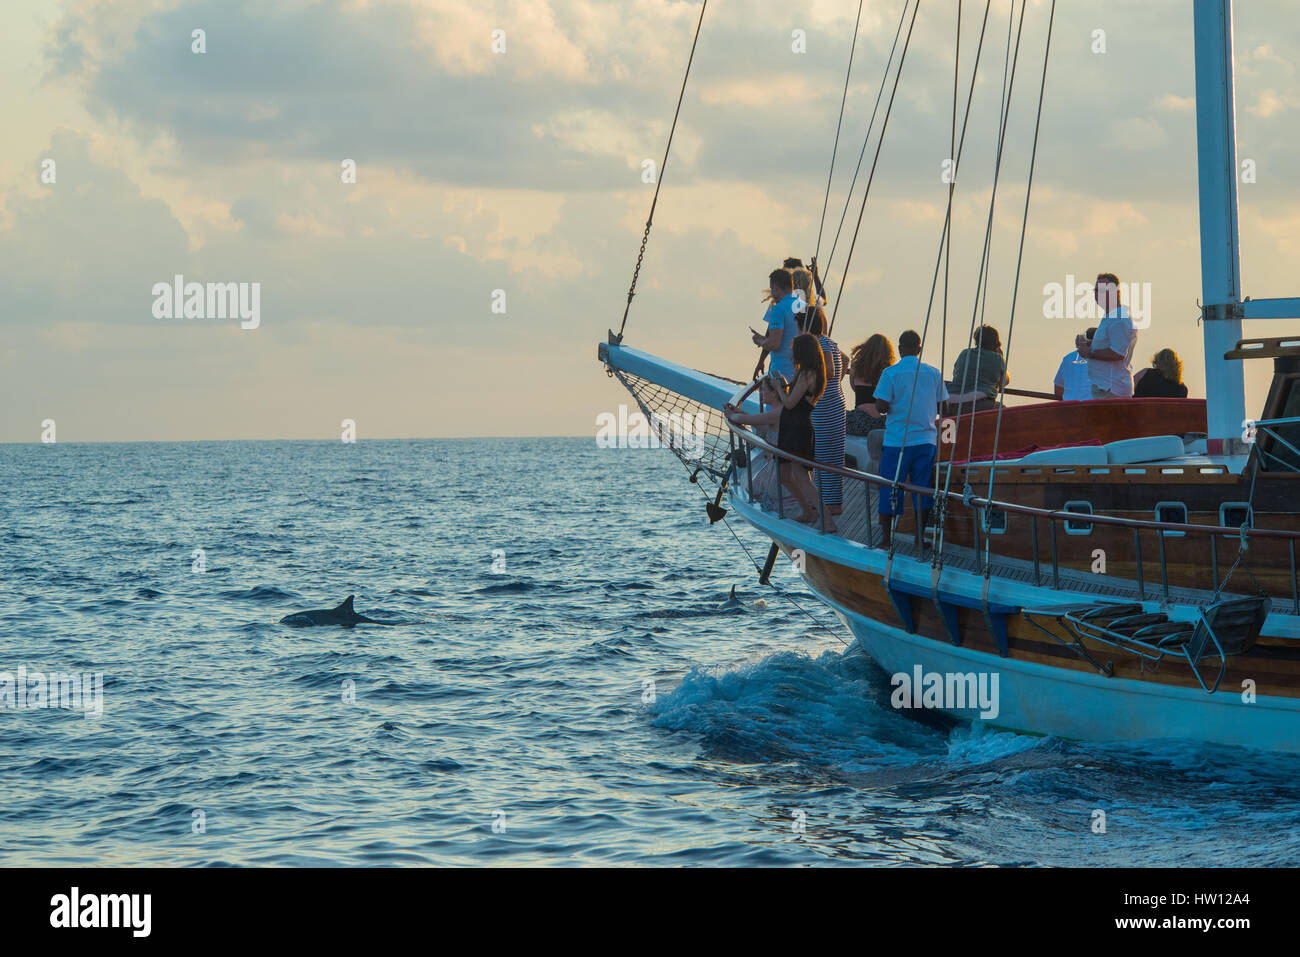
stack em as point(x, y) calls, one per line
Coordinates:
point(695, 432)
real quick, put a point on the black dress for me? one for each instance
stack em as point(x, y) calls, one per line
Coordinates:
point(1153, 385)
point(864, 394)
point(795, 433)
point(861, 423)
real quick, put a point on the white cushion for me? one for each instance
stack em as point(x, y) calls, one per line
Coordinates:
point(1150, 448)
point(857, 446)
point(1071, 455)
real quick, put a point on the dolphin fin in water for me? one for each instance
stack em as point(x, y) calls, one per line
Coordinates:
point(343, 614)
point(731, 602)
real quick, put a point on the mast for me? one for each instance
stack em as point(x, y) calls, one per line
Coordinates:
point(1216, 151)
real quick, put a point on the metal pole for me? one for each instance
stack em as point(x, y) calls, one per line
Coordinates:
point(1034, 521)
point(1137, 547)
point(1216, 152)
point(821, 505)
point(1214, 558)
point(1295, 595)
point(1164, 570)
point(1056, 569)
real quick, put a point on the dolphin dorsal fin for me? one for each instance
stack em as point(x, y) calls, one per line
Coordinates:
point(346, 604)
point(733, 591)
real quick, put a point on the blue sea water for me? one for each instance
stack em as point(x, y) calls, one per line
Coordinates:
point(563, 686)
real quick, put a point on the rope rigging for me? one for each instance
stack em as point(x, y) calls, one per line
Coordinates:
point(848, 199)
point(1024, 224)
point(981, 286)
point(943, 238)
point(838, 123)
point(659, 181)
point(902, 60)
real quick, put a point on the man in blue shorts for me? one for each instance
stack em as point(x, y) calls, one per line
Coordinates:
point(910, 393)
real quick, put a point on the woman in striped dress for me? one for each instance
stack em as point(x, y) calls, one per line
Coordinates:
point(829, 413)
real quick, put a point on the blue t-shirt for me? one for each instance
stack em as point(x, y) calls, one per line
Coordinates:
point(780, 315)
point(914, 396)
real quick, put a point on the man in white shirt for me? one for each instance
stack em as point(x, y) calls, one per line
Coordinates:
point(1072, 384)
point(1110, 354)
point(910, 394)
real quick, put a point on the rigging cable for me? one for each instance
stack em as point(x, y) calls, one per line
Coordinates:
point(981, 284)
point(1024, 224)
point(660, 180)
point(848, 199)
point(779, 591)
point(952, 183)
point(902, 59)
point(838, 123)
point(947, 222)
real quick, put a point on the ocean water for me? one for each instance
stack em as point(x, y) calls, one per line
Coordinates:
point(564, 685)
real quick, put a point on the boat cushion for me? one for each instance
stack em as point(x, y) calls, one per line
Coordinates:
point(1150, 448)
point(1068, 455)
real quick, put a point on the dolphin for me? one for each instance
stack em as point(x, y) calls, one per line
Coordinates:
point(343, 615)
point(731, 602)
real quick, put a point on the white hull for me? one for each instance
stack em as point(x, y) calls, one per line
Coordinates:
point(1069, 704)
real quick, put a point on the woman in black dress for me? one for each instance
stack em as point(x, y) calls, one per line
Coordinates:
point(870, 358)
point(1164, 380)
point(795, 433)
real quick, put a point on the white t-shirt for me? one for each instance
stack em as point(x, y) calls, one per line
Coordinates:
point(895, 387)
point(1073, 377)
point(1117, 334)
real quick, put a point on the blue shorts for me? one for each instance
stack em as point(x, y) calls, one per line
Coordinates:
point(917, 468)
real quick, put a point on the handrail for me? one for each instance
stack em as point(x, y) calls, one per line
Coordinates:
point(752, 438)
point(1031, 394)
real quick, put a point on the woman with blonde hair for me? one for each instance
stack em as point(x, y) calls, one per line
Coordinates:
point(868, 360)
point(1164, 380)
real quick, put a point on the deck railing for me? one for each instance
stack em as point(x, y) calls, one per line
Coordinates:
point(741, 437)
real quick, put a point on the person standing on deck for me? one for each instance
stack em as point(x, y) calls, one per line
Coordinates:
point(781, 325)
point(829, 413)
point(910, 394)
point(1110, 354)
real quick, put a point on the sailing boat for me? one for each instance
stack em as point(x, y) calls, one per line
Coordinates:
point(1138, 582)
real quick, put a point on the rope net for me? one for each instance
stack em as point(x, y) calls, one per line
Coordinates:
point(694, 432)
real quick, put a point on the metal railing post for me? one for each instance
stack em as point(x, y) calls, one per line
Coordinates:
point(1034, 524)
point(1295, 595)
point(749, 472)
point(1056, 567)
point(1137, 548)
point(1164, 569)
point(821, 504)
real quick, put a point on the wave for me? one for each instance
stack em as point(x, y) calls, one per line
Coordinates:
point(506, 588)
point(263, 593)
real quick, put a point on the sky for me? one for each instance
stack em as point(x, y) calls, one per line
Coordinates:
point(460, 284)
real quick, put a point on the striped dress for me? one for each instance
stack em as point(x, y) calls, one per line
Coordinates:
point(828, 426)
